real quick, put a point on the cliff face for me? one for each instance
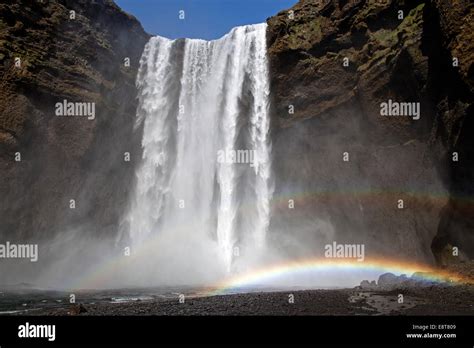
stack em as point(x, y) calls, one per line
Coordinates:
point(79, 57)
point(334, 62)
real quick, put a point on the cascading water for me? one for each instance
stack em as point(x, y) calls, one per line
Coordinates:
point(205, 171)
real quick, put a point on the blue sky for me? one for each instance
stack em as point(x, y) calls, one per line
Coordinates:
point(204, 19)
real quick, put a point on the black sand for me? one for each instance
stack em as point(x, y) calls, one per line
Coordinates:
point(434, 300)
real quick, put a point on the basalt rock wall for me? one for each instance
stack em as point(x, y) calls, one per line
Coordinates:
point(57, 50)
point(333, 63)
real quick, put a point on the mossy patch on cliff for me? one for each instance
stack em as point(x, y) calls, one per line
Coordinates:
point(305, 35)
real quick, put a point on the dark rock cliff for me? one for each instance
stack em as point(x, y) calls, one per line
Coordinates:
point(337, 110)
point(78, 56)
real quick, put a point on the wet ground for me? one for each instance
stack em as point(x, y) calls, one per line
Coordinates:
point(433, 300)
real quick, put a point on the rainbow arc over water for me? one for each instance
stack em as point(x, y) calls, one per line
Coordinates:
point(248, 280)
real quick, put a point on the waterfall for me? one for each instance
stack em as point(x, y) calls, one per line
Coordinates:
point(205, 171)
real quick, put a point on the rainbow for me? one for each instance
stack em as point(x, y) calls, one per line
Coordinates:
point(104, 272)
point(250, 279)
